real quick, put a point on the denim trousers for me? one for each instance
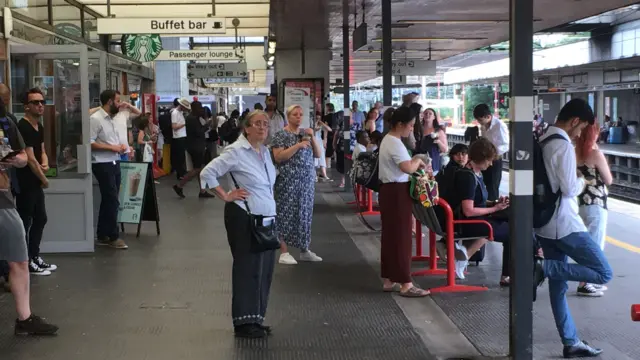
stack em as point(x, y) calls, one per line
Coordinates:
point(591, 267)
point(108, 176)
point(595, 219)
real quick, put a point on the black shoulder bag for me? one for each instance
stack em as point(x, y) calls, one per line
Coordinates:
point(263, 237)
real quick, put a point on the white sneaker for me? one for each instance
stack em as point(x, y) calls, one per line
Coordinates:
point(461, 252)
point(34, 269)
point(309, 256)
point(461, 266)
point(287, 259)
point(600, 287)
point(44, 265)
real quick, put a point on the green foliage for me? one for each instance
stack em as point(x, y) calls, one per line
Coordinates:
point(475, 95)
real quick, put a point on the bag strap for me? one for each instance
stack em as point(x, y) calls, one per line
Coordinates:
point(238, 187)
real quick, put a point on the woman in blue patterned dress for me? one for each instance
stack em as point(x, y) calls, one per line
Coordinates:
point(294, 150)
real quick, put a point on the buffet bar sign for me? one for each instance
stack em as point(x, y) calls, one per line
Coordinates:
point(164, 26)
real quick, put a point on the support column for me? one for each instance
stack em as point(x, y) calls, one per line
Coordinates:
point(600, 107)
point(387, 96)
point(346, 128)
point(521, 179)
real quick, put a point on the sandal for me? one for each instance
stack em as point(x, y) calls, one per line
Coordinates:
point(393, 288)
point(415, 292)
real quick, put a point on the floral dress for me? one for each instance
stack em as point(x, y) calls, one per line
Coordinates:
point(294, 192)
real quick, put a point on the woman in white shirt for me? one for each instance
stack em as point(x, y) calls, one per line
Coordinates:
point(395, 164)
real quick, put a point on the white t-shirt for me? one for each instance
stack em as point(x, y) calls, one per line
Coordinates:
point(178, 118)
point(357, 150)
point(392, 153)
point(122, 123)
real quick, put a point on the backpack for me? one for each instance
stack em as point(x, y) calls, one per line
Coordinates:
point(544, 199)
point(365, 170)
point(228, 131)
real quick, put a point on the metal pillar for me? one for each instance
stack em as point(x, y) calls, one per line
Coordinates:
point(387, 96)
point(521, 179)
point(346, 133)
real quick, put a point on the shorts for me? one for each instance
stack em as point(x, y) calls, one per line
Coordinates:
point(13, 243)
point(197, 157)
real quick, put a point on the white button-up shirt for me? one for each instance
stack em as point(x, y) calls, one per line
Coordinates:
point(498, 133)
point(103, 131)
point(560, 163)
point(254, 172)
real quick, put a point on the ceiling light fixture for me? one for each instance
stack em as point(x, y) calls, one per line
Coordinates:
point(428, 39)
point(441, 21)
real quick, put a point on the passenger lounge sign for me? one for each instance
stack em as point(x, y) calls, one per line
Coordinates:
point(215, 54)
point(178, 26)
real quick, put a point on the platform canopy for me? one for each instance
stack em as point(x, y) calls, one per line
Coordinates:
point(253, 14)
point(448, 27)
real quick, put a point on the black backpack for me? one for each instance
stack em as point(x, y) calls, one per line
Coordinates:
point(544, 199)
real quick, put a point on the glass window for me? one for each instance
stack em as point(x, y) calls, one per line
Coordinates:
point(34, 9)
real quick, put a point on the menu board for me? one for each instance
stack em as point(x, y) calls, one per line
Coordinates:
point(132, 190)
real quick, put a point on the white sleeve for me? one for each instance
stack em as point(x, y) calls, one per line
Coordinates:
point(399, 153)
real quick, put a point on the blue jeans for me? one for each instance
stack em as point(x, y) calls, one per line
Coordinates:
point(592, 267)
point(108, 176)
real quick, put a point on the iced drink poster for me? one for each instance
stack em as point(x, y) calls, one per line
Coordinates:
point(132, 189)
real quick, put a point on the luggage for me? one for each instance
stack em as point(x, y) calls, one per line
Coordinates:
point(478, 256)
point(616, 135)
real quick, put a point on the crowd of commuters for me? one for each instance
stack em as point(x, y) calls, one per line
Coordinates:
point(273, 162)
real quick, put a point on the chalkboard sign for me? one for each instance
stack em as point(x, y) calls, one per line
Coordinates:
point(138, 201)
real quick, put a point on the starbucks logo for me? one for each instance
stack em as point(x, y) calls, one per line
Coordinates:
point(143, 48)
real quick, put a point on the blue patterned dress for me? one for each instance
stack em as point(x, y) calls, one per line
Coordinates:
point(294, 192)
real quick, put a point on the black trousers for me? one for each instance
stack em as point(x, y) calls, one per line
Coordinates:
point(31, 207)
point(178, 159)
point(252, 272)
point(492, 178)
point(108, 176)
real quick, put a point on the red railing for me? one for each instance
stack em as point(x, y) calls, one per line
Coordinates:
point(451, 267)
point(635, 312)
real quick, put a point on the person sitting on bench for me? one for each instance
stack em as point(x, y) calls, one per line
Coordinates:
point(468, 200)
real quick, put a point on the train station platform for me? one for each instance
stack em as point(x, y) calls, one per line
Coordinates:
point(169, 297)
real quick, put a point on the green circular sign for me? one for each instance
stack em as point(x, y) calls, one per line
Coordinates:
point(143, 48)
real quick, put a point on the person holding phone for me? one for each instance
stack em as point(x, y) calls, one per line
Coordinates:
point(30, 198)
point(470, 201)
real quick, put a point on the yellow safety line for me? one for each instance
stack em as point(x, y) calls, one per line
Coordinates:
point(623, 245)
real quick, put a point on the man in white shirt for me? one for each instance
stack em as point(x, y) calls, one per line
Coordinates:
point(122, 122)
point(565, 234)
point(497, 132)
point(277, 119)
point(179, 142)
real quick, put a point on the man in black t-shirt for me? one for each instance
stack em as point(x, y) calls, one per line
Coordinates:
point(13, 247)
point(30, 199)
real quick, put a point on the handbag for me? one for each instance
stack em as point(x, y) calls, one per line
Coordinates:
point(264, 236)
point(365, 170)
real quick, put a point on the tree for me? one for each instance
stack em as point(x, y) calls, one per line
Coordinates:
point(475, 95)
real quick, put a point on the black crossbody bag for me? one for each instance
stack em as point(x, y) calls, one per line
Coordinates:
point(263, 237)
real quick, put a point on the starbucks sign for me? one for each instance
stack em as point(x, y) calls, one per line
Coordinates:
point(143, 48)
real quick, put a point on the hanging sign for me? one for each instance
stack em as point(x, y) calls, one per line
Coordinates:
point(215, 54)
point(226, 80)
point(409, 67)
point(216, 70)
point(161, 26)
point(143, 48)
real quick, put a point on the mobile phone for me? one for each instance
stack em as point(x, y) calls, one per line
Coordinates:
point(10, 155)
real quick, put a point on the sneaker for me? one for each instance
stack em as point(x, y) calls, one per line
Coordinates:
point(461, 267)
point(589, 290)
point(103, 241)
point(34, 269)
point(34, 325)
point(580, 350)
point(461, 252)
point(44, 265)
point(600, 287)
point(287, 259)
point(310, 256)
point(118, 244)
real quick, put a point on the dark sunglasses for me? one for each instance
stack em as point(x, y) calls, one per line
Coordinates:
point(37, 102)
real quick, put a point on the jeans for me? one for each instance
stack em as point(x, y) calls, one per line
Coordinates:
point(108, 176)
point(31, 207)
point(592, 267)
point(595, 219)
